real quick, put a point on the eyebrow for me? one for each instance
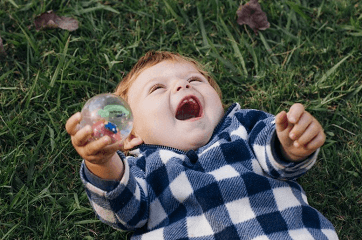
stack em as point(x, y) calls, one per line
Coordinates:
point(153, 81)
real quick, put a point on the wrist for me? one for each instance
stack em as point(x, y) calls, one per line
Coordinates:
point(290, 157)
point(285, 155)
point(112, 169)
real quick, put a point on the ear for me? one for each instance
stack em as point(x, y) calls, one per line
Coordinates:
point(132, 141)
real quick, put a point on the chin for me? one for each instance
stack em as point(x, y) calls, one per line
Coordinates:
point(198, 142)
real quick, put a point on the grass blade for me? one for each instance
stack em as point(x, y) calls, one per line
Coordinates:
point(86, 222)
point(13, 3)
point(268, 48)
point(31, 170)
point(52, 137)
point(17, 196)
point(173, 13)
point(235, 46)
point(202, 27)
point(98, 7)
point(253, 54)
point(12, 229)
point(30, 41)
point(60, 64)
point(297, 9)
point(355, 92)
point(332, 70)
point(30, 92)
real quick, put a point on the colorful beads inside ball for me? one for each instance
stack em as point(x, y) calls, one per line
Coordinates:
point(107, 114)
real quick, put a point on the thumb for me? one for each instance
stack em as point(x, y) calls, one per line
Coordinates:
point(281, 121)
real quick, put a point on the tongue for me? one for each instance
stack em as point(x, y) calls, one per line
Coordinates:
point(187, 111)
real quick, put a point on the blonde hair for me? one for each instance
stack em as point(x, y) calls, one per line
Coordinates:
point(152, 58)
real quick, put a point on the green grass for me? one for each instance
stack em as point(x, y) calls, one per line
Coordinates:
point(311, 54)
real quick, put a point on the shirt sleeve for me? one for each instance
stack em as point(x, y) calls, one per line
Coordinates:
point(121, 204)
point(262, 138)
point(279, 167)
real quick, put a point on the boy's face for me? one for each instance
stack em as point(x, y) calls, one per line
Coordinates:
point(174, 105)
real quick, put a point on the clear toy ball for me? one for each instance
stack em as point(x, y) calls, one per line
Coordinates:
point(108, 115)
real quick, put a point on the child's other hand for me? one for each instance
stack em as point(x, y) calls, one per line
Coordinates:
point(299, 133)
point(96, 152)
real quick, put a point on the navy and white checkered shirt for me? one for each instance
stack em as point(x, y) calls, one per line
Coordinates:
point(235, 187)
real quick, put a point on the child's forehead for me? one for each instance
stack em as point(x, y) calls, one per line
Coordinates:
point(167, 68)
point(174, 63)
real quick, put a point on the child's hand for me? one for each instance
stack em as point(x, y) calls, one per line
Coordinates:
point(96, 152)
point(299, 133)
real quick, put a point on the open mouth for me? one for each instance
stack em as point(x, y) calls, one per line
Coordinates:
point(188, 108)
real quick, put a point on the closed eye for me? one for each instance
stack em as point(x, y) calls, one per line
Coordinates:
point(156, 87)
point(194, 79)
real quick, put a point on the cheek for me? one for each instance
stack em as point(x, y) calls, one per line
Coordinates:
point(147, 120)
point(216, 106)
point(151, 129)
point(214, 98)
point(139, 119)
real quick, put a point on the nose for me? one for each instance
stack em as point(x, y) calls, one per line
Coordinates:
point(181, 84)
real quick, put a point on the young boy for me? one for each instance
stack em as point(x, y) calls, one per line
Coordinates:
point(195, 172)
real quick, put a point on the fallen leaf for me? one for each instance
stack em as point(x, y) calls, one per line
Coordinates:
point(252, 15)
point(51, 20)
point(2, 50)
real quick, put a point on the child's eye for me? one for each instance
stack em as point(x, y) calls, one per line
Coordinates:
point(156, 87)
point(194, 79)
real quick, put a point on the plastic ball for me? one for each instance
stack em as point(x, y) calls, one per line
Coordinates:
point(107, 114)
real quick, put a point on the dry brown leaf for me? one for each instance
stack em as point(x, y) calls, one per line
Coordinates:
point(51, 20)
point(252, 15)
point(2, 50)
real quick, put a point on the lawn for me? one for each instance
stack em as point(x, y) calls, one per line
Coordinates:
point(312, 54)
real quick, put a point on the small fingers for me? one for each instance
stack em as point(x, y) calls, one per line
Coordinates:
point(310, 135)
point(103, 145)
point(303, 123)
point(82, 136)
point(281, 121)
point(317, 142)
point(71, 125)
point(100, 150)
point(97, 146)
point(295, 112)
point(114, 147)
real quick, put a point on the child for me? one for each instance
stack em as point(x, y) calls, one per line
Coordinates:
point(195, 172)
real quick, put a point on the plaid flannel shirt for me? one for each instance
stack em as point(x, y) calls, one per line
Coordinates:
point(235, 187)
